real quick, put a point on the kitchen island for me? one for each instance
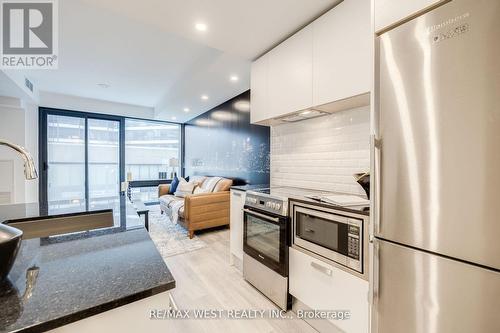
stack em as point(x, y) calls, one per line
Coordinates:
point(63, 279)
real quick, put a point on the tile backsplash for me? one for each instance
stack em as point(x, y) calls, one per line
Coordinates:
point(322, 153)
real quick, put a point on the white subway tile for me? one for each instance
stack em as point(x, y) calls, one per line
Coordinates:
point(322, 153)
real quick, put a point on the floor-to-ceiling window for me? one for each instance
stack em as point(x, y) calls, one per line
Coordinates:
point(152, 151)
point(66, 161)
point(86, 156)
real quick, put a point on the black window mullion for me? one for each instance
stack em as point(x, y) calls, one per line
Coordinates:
point(87, 196)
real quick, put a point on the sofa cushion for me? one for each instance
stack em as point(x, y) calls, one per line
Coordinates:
point(200, 190)
point(173, 185)
point(210, 183)
point(166, 200)
point(223, 185)
point(198, 180)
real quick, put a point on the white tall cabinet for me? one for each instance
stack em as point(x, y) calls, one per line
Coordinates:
point(236, 228)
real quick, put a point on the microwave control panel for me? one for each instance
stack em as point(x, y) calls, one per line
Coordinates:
point(353, 243)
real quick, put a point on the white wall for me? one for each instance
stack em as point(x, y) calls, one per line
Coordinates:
point(31, 144)
point(322, 153)
point(12, 83)
point(75, 103)
point(19, 125)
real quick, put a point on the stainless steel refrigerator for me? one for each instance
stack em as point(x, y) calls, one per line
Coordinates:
point(437, 162)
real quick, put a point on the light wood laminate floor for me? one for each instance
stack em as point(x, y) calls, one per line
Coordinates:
point(206, 280)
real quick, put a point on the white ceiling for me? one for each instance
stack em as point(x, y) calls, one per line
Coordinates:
point(151, 55)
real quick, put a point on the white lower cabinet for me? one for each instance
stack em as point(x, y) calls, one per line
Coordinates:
point(321, 286)
point(236, 227)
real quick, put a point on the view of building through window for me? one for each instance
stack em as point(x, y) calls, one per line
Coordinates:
point(150, 148)
point(83, 159)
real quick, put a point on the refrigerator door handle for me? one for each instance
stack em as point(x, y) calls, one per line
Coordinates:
point(376, 146)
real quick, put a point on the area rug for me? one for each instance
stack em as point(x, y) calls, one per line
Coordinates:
point(170, 239)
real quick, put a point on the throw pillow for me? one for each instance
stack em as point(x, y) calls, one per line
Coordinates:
point(173, 185)
point(184, 188)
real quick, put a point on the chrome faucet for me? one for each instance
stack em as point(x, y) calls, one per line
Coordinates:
point(29, 164)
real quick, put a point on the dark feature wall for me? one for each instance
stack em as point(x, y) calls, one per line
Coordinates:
point(222, 142)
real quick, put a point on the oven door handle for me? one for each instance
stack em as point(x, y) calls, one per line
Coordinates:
point(265, 217)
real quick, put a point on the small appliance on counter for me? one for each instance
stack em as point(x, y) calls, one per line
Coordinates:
point(363, 179)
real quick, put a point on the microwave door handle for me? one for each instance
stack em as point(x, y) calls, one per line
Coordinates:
point(262, 216)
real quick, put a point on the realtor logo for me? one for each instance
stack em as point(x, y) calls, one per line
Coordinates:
point(29, 34)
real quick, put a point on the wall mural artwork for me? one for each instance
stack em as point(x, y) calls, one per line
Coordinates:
point(222, 142)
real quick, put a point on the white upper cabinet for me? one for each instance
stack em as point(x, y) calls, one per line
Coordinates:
point(342, 52)
point(290, 74)
point(390, 12)
point(322, 66)
point(258, 90)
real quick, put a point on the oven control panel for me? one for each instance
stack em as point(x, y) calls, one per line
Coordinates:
point(268, 204)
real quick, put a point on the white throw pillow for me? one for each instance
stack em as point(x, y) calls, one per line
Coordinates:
point(184, 188)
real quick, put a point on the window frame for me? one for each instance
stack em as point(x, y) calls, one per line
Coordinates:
point(44, 112)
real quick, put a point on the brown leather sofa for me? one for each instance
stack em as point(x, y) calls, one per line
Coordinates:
point(202, 210)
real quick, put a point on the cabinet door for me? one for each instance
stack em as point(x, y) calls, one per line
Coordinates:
point(321, 286)
point(236, 223)
point(389, 12)
point(259, 90)
point(290, 74)
point(342, 52)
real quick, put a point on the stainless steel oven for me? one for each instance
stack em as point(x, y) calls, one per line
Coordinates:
point(329, 233)
point(266, 237)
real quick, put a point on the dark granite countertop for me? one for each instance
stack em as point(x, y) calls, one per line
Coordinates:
point(245, 188)
point(65, 278)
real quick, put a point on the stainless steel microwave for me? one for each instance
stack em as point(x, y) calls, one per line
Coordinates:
point(329, 234)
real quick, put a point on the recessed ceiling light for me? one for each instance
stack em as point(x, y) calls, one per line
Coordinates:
point(234, 78)
point(103, 85)
point(174, 118)
point(204, 97)
point(201, 26)
point(186, 110)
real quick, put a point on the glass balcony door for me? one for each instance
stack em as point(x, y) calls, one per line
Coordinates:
point(82, 163)
point(103, 146)
point(66, 164)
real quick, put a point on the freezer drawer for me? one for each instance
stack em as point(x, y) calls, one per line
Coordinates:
point(417, 292)
point(439, 129)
